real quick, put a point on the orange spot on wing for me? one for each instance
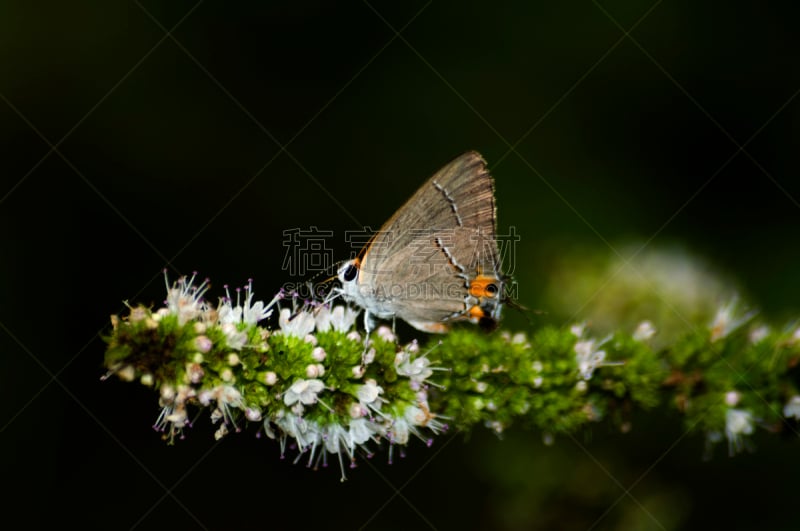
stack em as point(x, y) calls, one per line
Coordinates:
point(476, 313)
point(432, 327)
point(484, 286)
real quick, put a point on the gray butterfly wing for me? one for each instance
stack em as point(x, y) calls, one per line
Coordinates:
point(422, 259)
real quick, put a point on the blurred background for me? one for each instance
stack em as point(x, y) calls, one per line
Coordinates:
point(189, 135)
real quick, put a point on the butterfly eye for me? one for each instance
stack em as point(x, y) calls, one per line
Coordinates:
point(350, 273)
point(491, 289)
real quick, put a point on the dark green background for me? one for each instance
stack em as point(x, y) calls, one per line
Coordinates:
point(169, 156)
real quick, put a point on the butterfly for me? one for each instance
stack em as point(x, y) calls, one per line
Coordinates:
point(436, 260)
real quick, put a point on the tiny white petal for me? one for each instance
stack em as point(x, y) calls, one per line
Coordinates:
point(792, 408)
point(758, 334)
point(644, 331)
point(738, 422)
point(732, 398)
point(368, 392)
point(577, 329)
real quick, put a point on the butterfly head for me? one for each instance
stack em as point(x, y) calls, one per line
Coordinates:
point(348, 276)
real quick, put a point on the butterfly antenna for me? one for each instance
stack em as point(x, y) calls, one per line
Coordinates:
point(318, 289)
point(512, 303)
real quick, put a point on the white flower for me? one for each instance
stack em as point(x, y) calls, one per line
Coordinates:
point(202, 343)
point(318, 354)
point(792, 408)
point(577, 329)
point(253, 313)
point(334, 435)
point(368, 357)
point(738, 423)
point(587, 358)
point(385, 333)
point(417, 370)
point(127, 373)
point(340, 440)
point(340, 318)
point(194, 372)
point(228, 398)
point(410, 421)
point(356, 410)
point(184, 299)
point(726, 321)
point(303, 391)
point(315, 370)
point(398, 432)
point(167, 393)
point(360, 431)
point(252, 414)
point(246, 311)
point(177, 417)
point(644, 331)
point(228, 313)
point(520, 339)
point(732, 398)
point(758, 334)
point(205, 397)
point(173, 417)
point(369, 392)
point(235, 338)
point(308, 434)
point(298, 325)
point(494, 425)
